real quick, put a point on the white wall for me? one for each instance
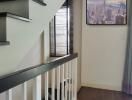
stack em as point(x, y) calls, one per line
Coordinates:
point(29, 42)
point(103, 54)
point(23, 35)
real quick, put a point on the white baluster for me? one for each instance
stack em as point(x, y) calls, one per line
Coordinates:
point(69, 69)
point(46, 85)
point(62, 83)
point(24, 91)
point(58, 83)
point(37, 88)
point(72, 76)
point(53, 84)
point(75, 65)
point(9, 95)
point(66, 83)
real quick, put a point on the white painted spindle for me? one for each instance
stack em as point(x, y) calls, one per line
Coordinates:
point(58, 83)
point(62, 82)
point(72, 80)
point(24, 91)
point(9, 95)
point(66, 83)
point(46, 85)
point(75, 65)
point(69, 69)
point(53, 84)
point(37, 88)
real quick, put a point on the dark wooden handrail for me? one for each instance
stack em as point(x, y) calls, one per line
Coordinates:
point(12, 80)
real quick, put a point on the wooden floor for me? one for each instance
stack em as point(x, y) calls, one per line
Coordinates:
point(98, 94)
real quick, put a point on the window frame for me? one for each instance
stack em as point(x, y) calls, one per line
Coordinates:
point(69, 33)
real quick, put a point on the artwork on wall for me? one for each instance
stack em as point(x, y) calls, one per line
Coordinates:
point(106, 12)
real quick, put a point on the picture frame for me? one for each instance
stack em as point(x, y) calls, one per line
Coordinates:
point(106, 12)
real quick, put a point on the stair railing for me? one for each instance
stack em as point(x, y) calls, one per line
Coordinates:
point(63, 84)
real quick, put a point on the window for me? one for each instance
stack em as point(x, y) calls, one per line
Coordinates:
point(60, 32)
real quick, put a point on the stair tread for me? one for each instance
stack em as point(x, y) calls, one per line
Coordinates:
point(8, 14)
point(6, 0)
point(4, 43)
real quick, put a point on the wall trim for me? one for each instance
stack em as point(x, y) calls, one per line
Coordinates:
point(102, 86)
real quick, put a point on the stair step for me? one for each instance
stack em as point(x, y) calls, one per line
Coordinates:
point(6, 0)
point(7, 14)
point(3, 30)
point(4, 43)
point(41, 2)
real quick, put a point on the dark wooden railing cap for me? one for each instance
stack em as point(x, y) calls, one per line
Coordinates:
point(14, 79)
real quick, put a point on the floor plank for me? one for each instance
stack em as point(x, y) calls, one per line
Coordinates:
point(100, 94)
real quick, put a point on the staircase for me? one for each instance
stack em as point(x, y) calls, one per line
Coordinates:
point(21, 24)
point(61, 85)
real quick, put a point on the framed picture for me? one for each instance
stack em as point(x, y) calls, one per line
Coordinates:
point(106, 12)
